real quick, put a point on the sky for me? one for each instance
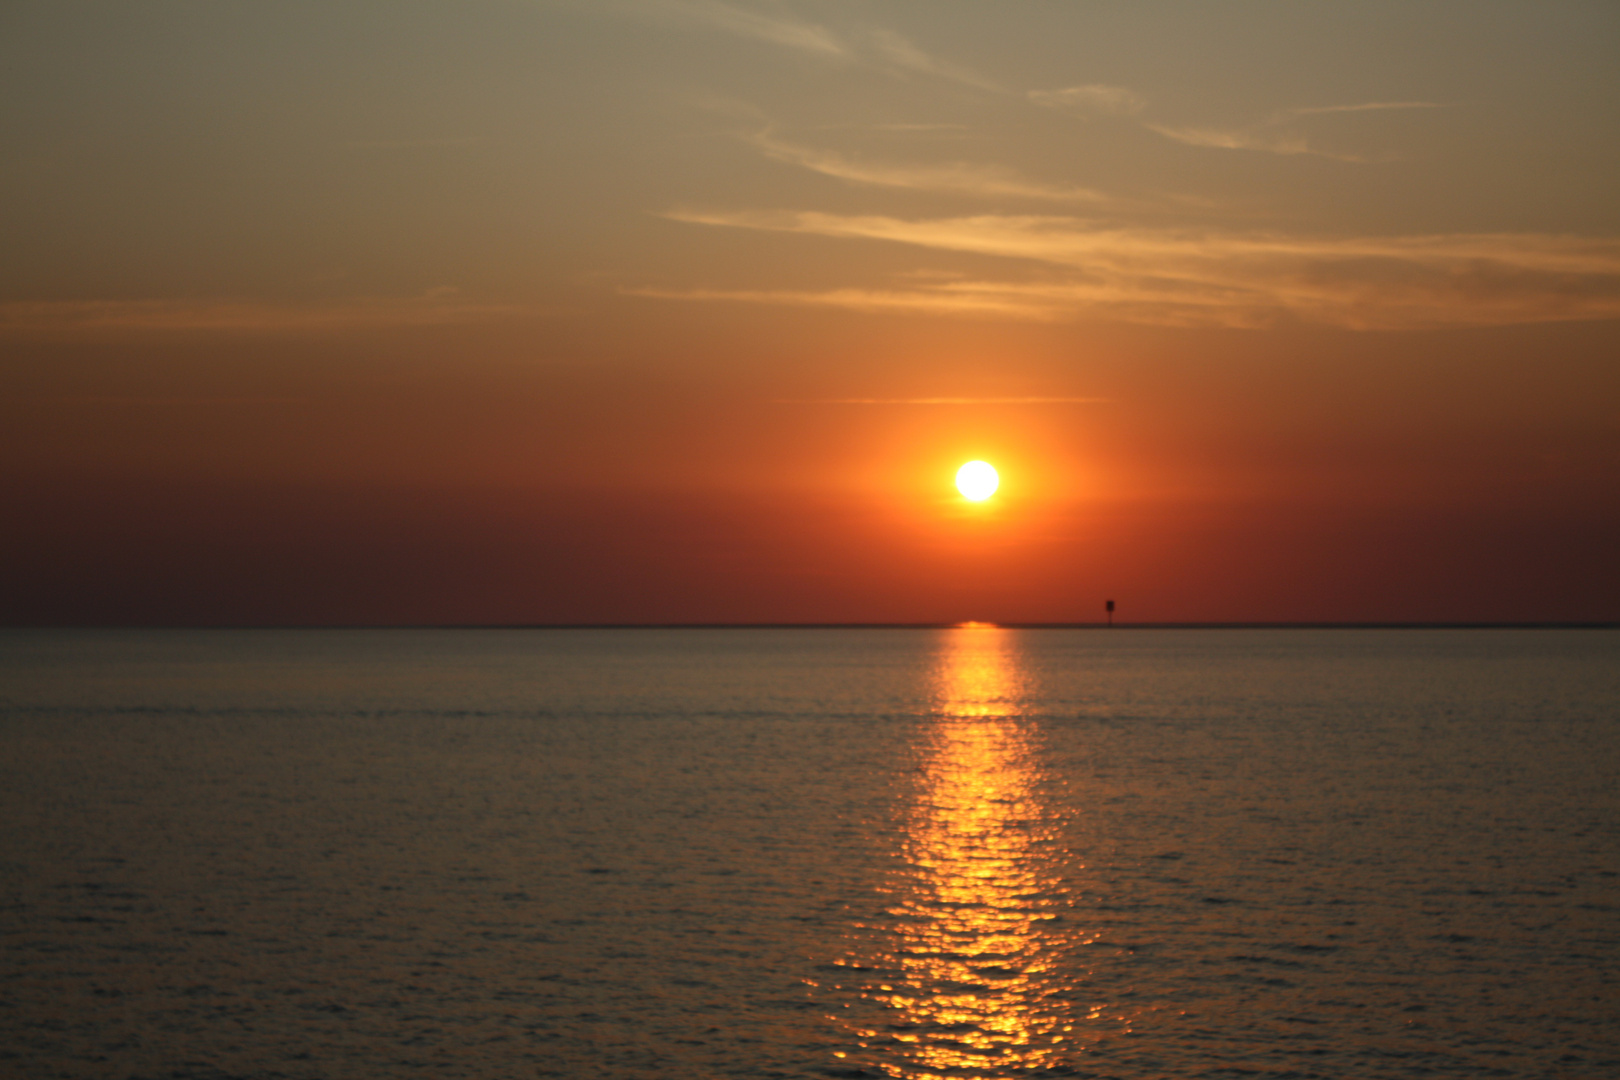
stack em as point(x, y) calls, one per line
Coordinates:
point(687, 311)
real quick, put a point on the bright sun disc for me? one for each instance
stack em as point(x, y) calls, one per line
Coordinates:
point(977, 480)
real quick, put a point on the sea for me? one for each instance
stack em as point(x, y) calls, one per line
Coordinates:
point(689, 854)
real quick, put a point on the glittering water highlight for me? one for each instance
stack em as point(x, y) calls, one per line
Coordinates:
point(971, 964)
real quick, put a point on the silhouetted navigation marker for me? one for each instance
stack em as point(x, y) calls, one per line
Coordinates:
point(1109, 605)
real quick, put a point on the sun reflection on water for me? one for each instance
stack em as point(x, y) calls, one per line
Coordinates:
point(971, 972)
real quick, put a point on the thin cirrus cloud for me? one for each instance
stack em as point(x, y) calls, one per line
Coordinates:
point(952, 298)
point(1094, 99)
point(1215, 278)
point(903, 54)
point(872, 46)
point(959, 178)
point(437, 307)
point(1274, 136)
point(1027, 302)
point(741, 22)
point(1270, 142)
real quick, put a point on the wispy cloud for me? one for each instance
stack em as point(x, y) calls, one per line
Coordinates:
point(946, 401)
point(905, 55)
point(1279, 133)
point(435, 308)
point(955, 298)
point(1094, 99)
point(747, 23)
point(960, 178)
point(872, 47)
point(1271, 142)
point(1022, 301)
point(1189, 277)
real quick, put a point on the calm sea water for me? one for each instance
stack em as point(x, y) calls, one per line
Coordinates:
point(879, 853)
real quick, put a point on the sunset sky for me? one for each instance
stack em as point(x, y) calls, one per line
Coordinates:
point(687, 311)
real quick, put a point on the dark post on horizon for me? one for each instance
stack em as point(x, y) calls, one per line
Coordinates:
point(1108, 605)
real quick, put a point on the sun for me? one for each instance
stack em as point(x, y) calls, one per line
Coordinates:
point(977, 480)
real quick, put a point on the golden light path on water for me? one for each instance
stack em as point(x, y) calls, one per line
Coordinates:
point(977, 958)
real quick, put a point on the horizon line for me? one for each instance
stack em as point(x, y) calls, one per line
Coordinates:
point(1596, 624)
